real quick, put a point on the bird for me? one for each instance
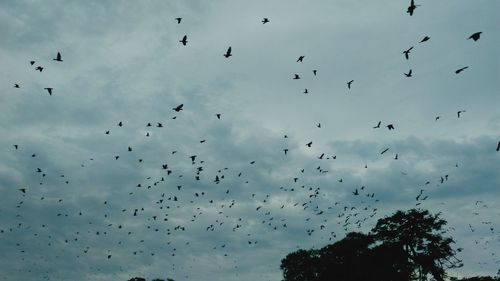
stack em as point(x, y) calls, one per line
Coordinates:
point(285, 150)
point(349, 84)
point(296, 76)
point(396, 157)
point(39, 68)
point(32, 62)
point(16, 146)
point(319, 125)
point(265, 20)
point(306, 91)
point(461, 69)
point(408, 74)
point(390, 127)
point(120, 124)
point(309, 144)
point(498, 146)
point(378, 125)
point(314, 72)
point(16, 86)
point(384, 151)
point(412, 7)
point(475, 36)
point(426, 38)
point(218, 115)
point(228, 52)
point(184, 40)
point(459, 112)
point(178, 108)
point(58, 57)
point(437, 118)
point(301, 58)
point(23, 190)
point(178, 20)
point(321, 156)
point(49, 90)
point(129, 148)
point(407, 52)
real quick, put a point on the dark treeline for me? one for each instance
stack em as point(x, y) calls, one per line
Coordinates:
point(406, 246)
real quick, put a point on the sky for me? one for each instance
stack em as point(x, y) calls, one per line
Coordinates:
point(76, 204)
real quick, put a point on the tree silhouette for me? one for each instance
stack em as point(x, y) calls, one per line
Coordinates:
point(405, 246)
point(419, 235)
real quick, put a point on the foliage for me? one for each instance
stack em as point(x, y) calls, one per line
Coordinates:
point(405, 246)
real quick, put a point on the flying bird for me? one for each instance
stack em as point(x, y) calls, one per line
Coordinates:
point(498, 146)
point(426, 38)
point(412, 7)
point(407, 52)
point(306, 91)
point(49, 90)
point(296, 76)
point(390, 127)
point(228, 52)
point(58, 57)
point(120, 124)
point(378, 125)
point(178, 108)
point(408, 74)
point(461, 69)
point(32, 62)
point(265, 20)
point(349, 84)
point(300, 59)
point(285, 150)
point(218, 115)
point(184, 40)
point(437, 118)
point(475, 36)
point(178, 20)
point(16, 86)
point(309, 144)
point(39, 68)
point(384, 151)
point(314, 72)
point(459, 112)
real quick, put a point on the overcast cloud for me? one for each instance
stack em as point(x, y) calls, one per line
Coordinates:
point(123, 62)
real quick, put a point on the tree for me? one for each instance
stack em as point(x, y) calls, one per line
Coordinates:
point(405, 246)
point(419, 235)
point(301, 265)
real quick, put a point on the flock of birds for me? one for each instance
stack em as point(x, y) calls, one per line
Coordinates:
point(174, 187)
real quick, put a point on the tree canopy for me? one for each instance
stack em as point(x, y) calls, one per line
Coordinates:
point(409, 245)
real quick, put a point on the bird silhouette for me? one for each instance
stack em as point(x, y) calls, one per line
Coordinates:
point(309, 144)
point(39, 68)
point(407, 52)
point(437, 118)
point(460, 112)
point(384, 151)
point(178, 20)
point(461, 69)
point(349, 84)
point(120, 124)
point(265, 20)
point(408, 74)
point(314, 72)
point(49, 90)
point(228, 53)
point(16, 86)
point(412, 8)
point(58, 57)
point(306, 91)
point(218, 115)
point(390, 127)
point(378, 125)
point(475, 36)
point(301, 59)
point(426, 38)
point(178, 108)
point(285, 150)
point(498, 146)
point(296, 76)
point(184, 40)
point(32, 62)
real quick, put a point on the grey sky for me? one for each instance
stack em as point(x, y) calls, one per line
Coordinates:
point(122, 61)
